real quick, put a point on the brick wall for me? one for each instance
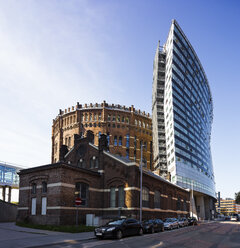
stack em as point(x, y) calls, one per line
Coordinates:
point(112, 172)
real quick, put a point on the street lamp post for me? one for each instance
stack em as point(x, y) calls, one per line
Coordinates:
point(192, 196)
point(140, 213)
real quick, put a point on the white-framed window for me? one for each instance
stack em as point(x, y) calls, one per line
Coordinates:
point(44, 206)
point(34, 203)
point(82, 191)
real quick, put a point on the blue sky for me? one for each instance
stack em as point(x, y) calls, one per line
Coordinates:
point(56, 53)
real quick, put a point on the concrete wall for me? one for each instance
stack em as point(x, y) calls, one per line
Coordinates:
point(8, 212)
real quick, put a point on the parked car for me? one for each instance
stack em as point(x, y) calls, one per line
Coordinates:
point(119, 228)
point(151, 226)
point(182, 222)
point(192, 221)
point(235, 217)
point(171, 223)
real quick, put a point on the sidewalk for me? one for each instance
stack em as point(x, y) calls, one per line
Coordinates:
point(12, 236)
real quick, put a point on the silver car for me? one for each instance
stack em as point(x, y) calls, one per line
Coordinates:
point(171, 223)
point(182, 222)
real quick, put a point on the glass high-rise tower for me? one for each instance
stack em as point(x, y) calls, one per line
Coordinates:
point(182, 112)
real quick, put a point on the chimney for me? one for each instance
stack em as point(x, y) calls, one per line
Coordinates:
point(90, 136)
point(76, 139)
point(63, 152)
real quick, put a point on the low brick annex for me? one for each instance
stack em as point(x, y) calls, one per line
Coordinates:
point(107, 184)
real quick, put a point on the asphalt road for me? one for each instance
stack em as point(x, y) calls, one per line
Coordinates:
point(206, 235)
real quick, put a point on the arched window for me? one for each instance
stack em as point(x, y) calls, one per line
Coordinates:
point(86, 117)
point(108, 139)
point(90, 117)
point(69, 141)
point(157, 199)
point(118, 118)
point(115, 140)
point(121, 196)
point(136, 122)
point(34, 188)
point(145, 197)
point(96, 163)
point(82, 191)
point(81, 163)
point(44, 187)
point(123, 119)
point(91, 163)
point(112, 197)
point(143, 124)
point(120, 141)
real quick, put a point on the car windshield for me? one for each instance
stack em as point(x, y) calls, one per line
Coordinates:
point(167, 220)
point(115, 223)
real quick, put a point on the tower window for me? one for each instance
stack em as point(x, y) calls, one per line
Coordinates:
point(115, 141)
point(120, 141)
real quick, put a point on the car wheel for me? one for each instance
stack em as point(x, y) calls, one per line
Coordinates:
point(152, 230)
point(119, 234)
point(171, 227)
point(140, 232)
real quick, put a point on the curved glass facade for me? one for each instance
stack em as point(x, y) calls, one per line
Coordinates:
point(188, 114)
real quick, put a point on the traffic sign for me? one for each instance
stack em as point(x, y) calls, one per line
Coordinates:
point(78, 201)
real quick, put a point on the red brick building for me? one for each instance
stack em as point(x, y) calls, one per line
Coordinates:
point(126, 129)
point(107, 184)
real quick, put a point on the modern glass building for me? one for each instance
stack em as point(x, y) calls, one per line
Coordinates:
point(182, 114)
point(9, 180)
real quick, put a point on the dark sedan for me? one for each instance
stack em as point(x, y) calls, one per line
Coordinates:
point(119, 228)
point(151, 226)
point(192, 221)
